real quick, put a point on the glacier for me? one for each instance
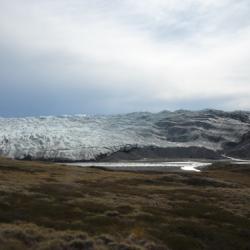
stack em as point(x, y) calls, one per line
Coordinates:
point(84, 137)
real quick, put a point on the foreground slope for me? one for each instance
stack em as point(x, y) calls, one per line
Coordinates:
point(48, 206)
point(200, 134)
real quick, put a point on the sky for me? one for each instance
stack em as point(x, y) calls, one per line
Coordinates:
point(117, 56)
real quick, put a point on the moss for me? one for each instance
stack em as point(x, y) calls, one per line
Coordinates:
point(125, 209)
point(210, 212)
point(180, 242)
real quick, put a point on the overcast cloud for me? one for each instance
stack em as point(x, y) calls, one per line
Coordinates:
point(99, 57)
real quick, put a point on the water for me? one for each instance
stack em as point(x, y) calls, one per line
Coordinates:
point(186, 166)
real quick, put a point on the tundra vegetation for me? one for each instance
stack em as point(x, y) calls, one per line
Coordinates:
point(49, 206)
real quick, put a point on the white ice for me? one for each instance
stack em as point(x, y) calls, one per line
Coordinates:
point(81, 137)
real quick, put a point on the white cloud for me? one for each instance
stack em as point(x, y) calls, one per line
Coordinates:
point(161, 50)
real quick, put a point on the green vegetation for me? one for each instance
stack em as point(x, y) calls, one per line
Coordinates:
point(48, 206)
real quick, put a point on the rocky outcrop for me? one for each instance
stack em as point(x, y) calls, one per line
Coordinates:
point(240, 149)
point(162, 153)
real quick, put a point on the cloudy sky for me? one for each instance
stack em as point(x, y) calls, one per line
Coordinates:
point(116, 56)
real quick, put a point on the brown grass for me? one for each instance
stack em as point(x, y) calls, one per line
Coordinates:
point(49, 206)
